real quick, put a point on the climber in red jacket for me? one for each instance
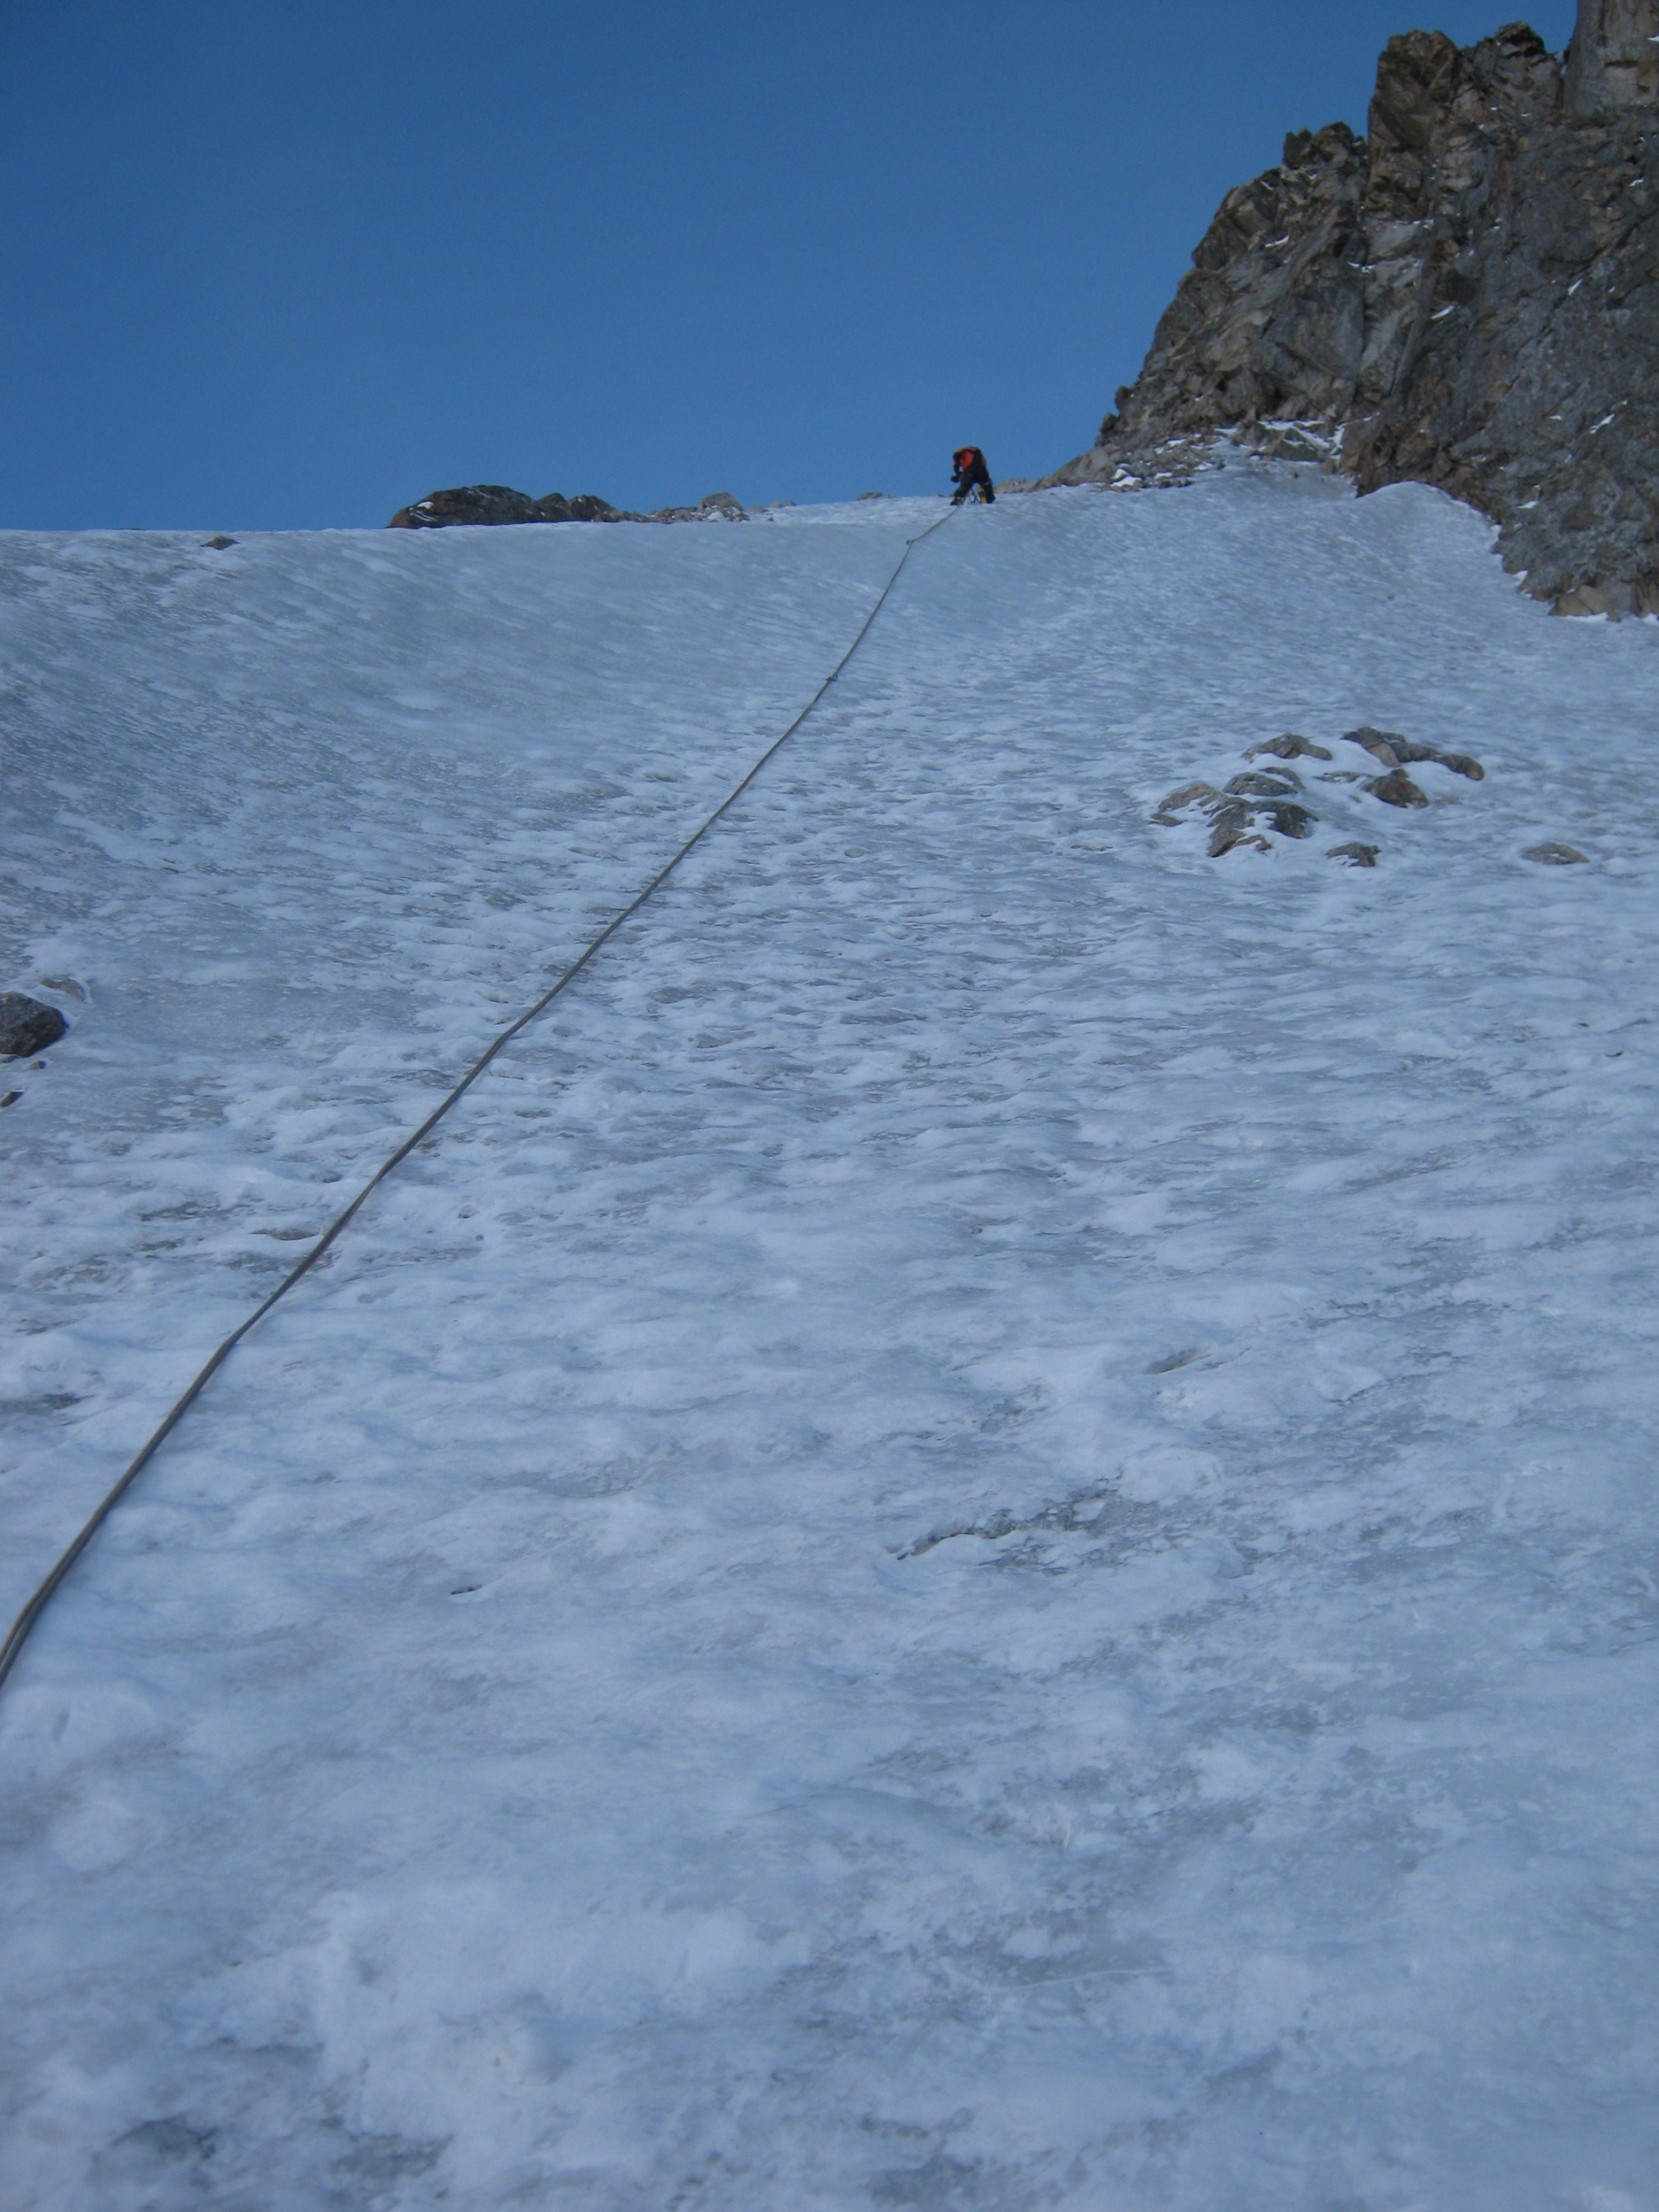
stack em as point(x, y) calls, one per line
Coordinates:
point(970, 474)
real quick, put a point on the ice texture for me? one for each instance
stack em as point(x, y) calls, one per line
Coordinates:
point(982, 1534)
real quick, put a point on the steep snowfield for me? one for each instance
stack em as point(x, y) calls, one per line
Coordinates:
point(982, 1534)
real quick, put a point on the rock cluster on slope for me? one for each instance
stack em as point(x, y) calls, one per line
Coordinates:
point(1468, 298)
point(1270, 796)
point(492, 504)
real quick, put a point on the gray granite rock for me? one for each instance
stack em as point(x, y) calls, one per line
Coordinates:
point(1468, 298)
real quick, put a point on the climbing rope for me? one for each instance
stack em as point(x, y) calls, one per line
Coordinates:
point(22, 1628)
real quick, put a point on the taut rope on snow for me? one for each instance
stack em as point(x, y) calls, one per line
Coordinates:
point(22, 1628)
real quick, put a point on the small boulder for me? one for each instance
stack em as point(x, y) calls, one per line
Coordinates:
point(1459, 763)
point(1396, 789)
point(1289, 747)
point(1556, 856)
point(1356, 855)
point(1171, 809)
point(1232, 814)
point(26, 1027)
point(1379, 743)
point(1256, 784)
point(1389, 750)
point(1226, 841)
point(1463, 764)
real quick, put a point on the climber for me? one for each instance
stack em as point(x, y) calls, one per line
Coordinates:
point(970, 474)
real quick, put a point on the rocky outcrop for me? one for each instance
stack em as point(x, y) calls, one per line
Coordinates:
point(1467, 296)
point(1264, 802)
point(720, 507)
point(494, 503)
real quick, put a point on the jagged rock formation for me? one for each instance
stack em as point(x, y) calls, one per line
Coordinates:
point(490, 504)
point(1468, 297)
point(494, 503)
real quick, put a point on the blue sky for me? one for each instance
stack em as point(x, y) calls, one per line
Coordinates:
point(286, 264)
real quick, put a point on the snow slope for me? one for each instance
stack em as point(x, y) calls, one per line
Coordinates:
point(981, 1535)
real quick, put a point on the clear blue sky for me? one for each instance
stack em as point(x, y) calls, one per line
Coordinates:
point(286, 264)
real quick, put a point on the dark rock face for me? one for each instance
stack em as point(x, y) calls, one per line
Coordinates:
point(1466, 298)
point(491, 504)
point(26, 1027)
point(1613, 58)
point(495, 504)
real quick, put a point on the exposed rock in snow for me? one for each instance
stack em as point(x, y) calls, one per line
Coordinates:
point(1396, 789)
point(719, 506)
point(1271, 797)
point(495, 504)
point(1390, 751)
point(1468, 297)
point(491, 504)
point(26, 1025)
point(1289, 747)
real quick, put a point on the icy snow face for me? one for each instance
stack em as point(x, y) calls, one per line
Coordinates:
point(981, 1535)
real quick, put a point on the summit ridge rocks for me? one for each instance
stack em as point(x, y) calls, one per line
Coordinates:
point(1467, 296)
point(493, 505)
